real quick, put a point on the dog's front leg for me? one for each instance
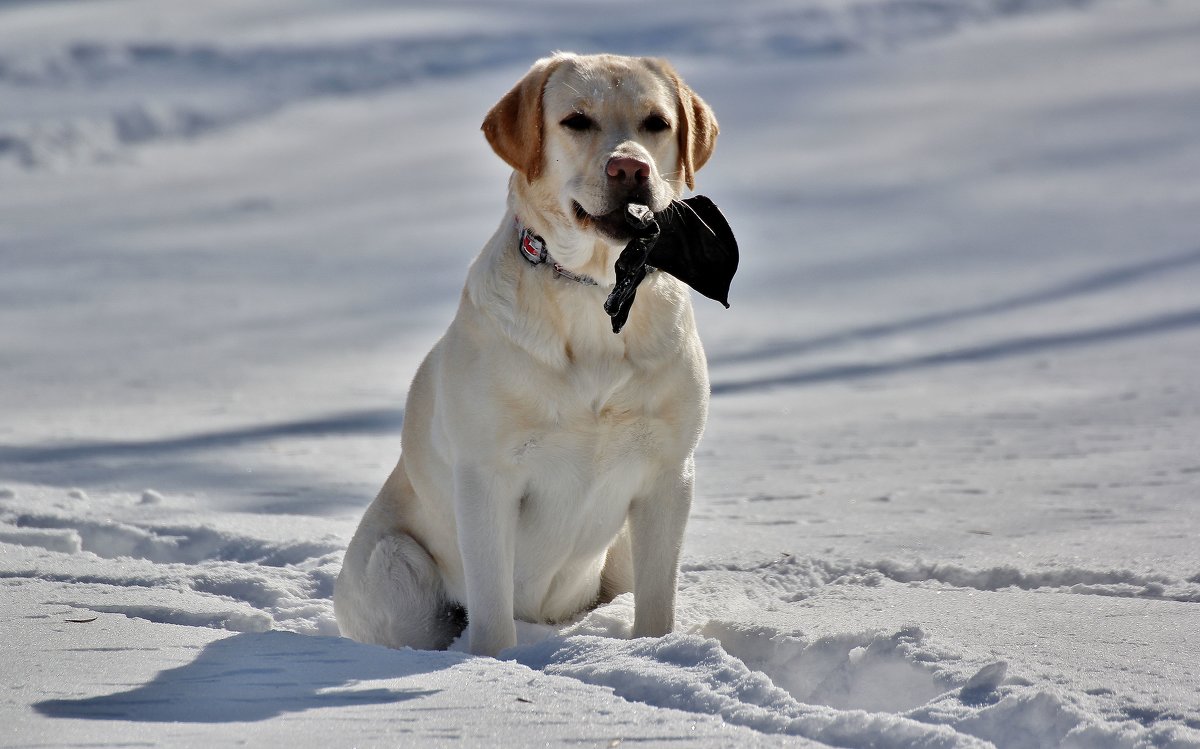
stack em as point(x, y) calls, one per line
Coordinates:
point(656, 525)
point(486, 506)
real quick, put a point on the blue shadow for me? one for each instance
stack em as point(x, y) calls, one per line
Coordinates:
point(984, 352)
point(258, 676)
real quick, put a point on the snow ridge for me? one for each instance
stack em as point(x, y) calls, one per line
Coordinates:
point(114, 557)
point(696, 674)
point(871, 689)
point(167, 543)
point(796, 577)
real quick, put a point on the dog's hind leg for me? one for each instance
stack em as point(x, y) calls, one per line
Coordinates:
point(396, 598)
point(390, 592)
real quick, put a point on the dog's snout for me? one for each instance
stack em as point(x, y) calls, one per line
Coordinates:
point(628, 171)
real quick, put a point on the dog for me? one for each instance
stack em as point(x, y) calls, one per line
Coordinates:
point(547, 464)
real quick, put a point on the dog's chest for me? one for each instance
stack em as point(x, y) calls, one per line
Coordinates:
point(597, 440)
point(582, 475)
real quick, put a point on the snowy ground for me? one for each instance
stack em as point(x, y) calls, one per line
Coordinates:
point(948, 493)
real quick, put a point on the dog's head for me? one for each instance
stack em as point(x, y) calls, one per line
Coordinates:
point(588, 135)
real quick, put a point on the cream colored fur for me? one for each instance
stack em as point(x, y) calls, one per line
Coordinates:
point(547, 463)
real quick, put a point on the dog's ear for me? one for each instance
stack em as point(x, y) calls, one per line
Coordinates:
point(697, 126)
point(514, 126)
point(697, 133)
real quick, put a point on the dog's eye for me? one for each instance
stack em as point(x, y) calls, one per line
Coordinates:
point(655, 124)
point(578, 122)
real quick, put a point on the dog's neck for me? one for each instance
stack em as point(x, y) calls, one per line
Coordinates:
point(580, 252)
point(539, 310)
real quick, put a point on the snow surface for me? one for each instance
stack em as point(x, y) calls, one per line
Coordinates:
point(948, 492)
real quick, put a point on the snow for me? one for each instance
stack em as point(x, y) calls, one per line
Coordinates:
point(947, 494)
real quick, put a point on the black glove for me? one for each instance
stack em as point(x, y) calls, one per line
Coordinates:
point(691, 240)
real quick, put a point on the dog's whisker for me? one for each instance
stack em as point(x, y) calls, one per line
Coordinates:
point(697, 215)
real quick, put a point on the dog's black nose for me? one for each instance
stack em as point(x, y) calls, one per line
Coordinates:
point(628, 171)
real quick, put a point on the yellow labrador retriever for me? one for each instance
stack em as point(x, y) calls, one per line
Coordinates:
point(547, 463)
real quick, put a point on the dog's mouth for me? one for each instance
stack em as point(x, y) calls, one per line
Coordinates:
point(611, 224)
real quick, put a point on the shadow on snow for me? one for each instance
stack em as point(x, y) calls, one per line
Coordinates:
point(258, 676)
point(372, 421)
point(227, 462)
point(984, 352)
point(1101, 281)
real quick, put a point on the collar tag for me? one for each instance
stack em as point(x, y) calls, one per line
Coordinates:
point(533, 247)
